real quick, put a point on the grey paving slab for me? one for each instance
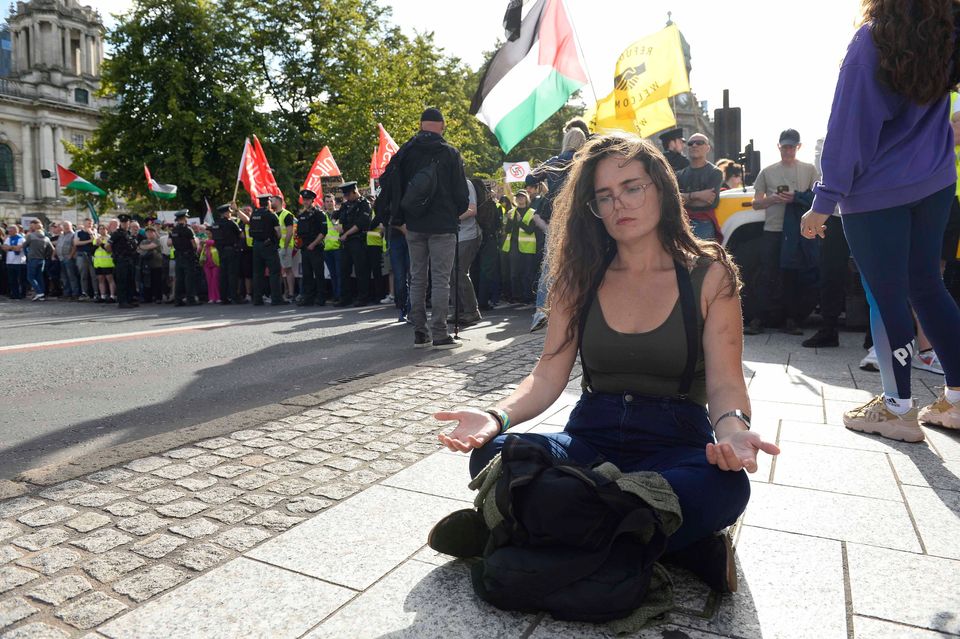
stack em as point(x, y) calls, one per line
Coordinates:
point(790, 389)
point(421, 601)
point(926, 592)
point(853, 472)
point(867, 628)
point(438, 474)
point(937, 514)
point(364, 537)
point(773, 412)
point(796, 583)
point(242, 598)
point(864, 520)
point(946, 441)
point(923, 467)
point(837, 436)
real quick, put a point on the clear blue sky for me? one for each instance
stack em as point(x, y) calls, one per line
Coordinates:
point(779, 60)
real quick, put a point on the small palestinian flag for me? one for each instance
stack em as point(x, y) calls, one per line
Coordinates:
point(70, 180)
point(162, 191)
point(531, 77)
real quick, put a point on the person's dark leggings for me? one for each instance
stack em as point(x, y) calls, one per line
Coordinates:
point(834, 262)
point(637, 433)
point(897, 251)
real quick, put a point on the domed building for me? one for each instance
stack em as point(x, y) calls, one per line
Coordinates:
point(50, 77)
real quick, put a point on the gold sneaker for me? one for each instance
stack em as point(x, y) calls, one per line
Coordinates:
point(875, 417)
point(941, 413)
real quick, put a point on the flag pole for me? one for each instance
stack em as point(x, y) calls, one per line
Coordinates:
point(243, 155)
point(576, 40)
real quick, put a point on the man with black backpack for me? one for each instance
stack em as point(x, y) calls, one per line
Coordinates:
point(424, 190)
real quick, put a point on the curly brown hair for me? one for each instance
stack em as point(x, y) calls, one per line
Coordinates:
point(917, 46)
point(580, 247)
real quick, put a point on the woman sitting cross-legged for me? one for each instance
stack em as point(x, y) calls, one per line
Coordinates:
point(655, 315)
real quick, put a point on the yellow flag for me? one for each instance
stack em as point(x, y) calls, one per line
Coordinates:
point(648, 72)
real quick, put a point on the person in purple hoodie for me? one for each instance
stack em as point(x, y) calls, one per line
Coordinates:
point(888, 164)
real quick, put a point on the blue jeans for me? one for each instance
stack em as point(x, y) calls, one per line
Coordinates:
point(703, 229)
point(70, 277)
point(897, 251)
point(400, 265)
point(332, 260)
point(659, 434)
point(543, 285)
point(35, 276)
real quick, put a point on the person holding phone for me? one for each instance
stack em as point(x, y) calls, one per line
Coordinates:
point(775, 188)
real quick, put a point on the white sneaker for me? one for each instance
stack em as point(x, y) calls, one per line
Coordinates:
point(387, 300)
point(928, 361)
point(870, 361)
point(39, 297)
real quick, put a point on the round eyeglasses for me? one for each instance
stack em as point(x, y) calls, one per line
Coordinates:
point(632, 197)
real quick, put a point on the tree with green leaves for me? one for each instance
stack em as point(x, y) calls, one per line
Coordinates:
point(185, 101)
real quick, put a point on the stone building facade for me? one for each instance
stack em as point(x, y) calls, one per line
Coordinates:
point(47, 97)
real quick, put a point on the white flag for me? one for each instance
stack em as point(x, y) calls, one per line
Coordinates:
point(516, 171)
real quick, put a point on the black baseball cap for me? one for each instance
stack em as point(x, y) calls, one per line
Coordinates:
point(790, 137)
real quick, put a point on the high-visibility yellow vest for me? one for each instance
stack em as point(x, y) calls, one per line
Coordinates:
point(526, 241)
point(246, 234)
point(102, 257)
point(374, 238)
point(331, 241)
point(214, 254)
point(288, 243)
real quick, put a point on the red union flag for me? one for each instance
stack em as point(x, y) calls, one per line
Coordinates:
point(255, 173)
point(385, 152)
point(323, 166)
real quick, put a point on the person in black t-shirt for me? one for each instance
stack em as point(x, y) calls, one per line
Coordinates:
point(186, 248)
point(228, 239)
point(265, 231)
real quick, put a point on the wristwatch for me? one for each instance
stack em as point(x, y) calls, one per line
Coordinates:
point(736, 412)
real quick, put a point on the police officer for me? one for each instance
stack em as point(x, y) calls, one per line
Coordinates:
point(331, 246)
point(673, 142)
point(228, 238)
point(312, 229)
point(123, 247)
point(354, 220)
point(186, 249)
point(265, 231)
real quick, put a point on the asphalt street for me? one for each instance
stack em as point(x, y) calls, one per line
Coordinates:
point(79, 377)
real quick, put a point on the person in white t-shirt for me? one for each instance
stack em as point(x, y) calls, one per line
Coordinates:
point(16, 261)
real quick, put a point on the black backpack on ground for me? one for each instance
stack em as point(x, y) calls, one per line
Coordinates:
point(571, 542)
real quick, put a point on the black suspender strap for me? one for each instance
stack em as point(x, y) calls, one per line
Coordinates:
point(688, 305)
point(588, 303)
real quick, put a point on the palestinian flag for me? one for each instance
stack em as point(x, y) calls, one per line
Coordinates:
point(70, 180)
point(162, 191)
point(531, 77)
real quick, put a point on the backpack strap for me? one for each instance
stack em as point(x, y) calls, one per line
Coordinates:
point(688, 306)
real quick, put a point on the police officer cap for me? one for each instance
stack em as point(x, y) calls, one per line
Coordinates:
point(222, 209)
point(307, 194)
point(672, 134)
point(180, 214)
point(348, 187)
point(123, 217)
point(263, 200)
